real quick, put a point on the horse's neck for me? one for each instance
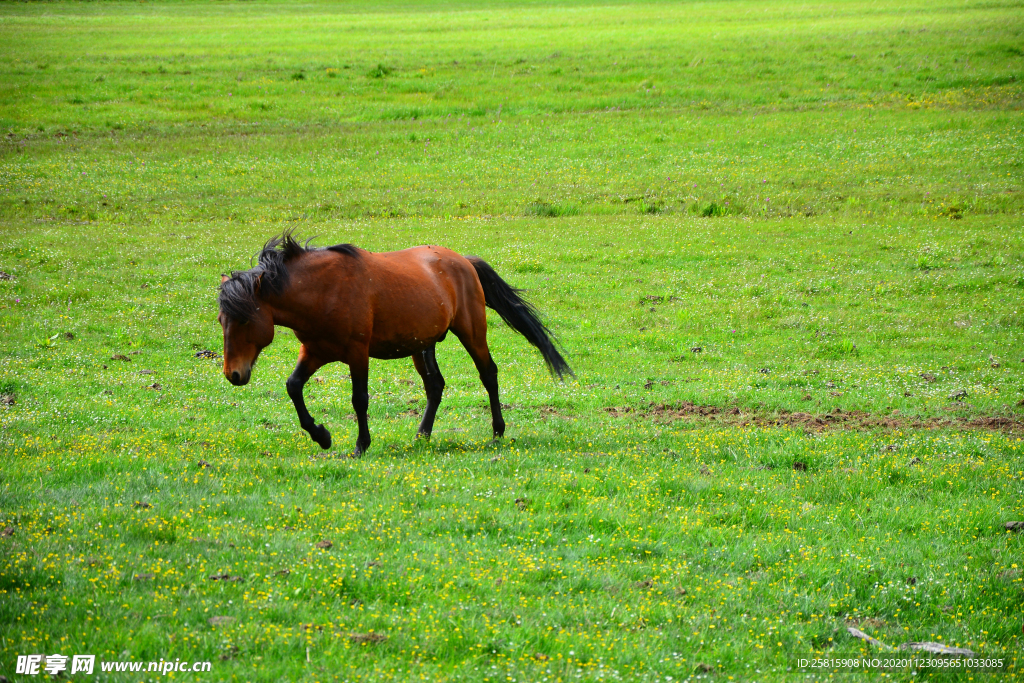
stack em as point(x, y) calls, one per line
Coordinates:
point(287, 307)
point(283, 314)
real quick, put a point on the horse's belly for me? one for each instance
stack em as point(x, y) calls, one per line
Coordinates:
point(391, 352)
point(394, 348)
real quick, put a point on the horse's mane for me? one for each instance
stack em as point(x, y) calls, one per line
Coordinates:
point(269, 276)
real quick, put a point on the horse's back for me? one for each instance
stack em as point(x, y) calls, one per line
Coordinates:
point(430, 266)
point(417, 295)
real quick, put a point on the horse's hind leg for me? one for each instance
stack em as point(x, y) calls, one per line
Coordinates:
point(476, 343)
point(433, 384)
point(303, 371)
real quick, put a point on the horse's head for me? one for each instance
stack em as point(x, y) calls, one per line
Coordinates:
point(248, 326)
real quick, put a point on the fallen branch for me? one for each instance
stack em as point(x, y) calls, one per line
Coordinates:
point(857, 633)
point(939, 649)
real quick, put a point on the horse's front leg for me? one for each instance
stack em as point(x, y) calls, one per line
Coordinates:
point(360, 370)
point(303, 371)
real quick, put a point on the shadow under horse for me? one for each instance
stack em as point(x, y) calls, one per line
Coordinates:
point(349, 305)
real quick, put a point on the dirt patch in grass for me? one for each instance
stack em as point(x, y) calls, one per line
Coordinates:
point(550, 411)
point(836, 419)
point(1002, 424)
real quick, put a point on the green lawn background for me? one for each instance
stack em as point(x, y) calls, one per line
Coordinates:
point(823, 199)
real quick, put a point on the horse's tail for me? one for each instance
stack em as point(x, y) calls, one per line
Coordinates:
point(520, 315)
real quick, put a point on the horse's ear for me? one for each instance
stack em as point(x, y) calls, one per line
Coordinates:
point(257, 283)
point(224, 278)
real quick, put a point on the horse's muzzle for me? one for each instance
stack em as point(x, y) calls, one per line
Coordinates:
point(237, 378)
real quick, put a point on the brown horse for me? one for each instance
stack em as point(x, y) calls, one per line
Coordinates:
point(346, 304)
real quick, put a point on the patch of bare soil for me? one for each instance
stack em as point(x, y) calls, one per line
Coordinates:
point(836, 419)
point(619, 412)
point(226, 577)
point(1000, 424)
point(550, 411)
point(686, 409)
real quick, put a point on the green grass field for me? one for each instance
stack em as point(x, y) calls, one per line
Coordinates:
point(781, 243)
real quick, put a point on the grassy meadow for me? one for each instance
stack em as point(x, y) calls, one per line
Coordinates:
point(782, 245)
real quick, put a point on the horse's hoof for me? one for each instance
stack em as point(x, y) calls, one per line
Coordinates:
point(423, 436)
point(322, 437)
